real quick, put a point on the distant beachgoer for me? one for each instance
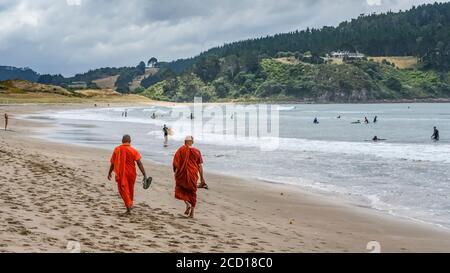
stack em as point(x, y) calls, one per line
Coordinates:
point(232, 116)
point(339, 116)
point(357, 122)
point(191, 116)
point(153, 116)
point(187, 165)
point(95, 105)
point(123, 165)
point(375, 119)
point(375, 139)
point(166, 135)
point(435, 135)
point(126, 113)
point(6, 121)
point(366, 120)
point(316, 121)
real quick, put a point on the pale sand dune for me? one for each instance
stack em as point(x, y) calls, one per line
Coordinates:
point(54, 193)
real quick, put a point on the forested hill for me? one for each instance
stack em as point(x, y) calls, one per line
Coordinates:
point(9, 72)
point(422, 31)
point(298, 65)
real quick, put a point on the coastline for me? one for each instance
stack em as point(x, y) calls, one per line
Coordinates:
point(280, 218)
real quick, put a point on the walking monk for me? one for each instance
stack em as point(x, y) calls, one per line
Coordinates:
point(187, 164)
point(123, 164)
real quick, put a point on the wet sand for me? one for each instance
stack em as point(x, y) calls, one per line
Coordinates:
point(55, 193)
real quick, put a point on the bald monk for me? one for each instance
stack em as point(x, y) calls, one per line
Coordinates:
point(187, 165)
point(123, 164)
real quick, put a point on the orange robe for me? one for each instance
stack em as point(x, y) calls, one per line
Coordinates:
point(124, 158)
point(186, 162)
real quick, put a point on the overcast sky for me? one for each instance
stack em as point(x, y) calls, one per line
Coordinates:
point(71, 36)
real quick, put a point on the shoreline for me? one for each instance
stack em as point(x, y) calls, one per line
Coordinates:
point(338, 197)
point(311, 223)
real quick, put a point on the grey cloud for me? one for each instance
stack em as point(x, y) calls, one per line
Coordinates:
point(53, 37)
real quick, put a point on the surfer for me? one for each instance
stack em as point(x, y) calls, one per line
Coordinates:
point(338, 117)
point(166, 135)
point(375, 139)
point(191, 116)
point(366, 121)
point(316, 121)
point(6, 121)
point(375, 119)
point(435, 135)
point(153, 115)
point(357, 122)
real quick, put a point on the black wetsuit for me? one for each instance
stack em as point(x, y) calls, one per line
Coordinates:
point(166, 131)
point(435, 135)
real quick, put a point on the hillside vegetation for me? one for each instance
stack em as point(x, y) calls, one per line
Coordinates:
point(20, 91)
point(410, 59)
point(275, 80)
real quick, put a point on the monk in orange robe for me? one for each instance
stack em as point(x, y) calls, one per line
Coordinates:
point(187, 165)
point(123, 164)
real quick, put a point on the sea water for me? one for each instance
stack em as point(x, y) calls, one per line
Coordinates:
point(407, 175)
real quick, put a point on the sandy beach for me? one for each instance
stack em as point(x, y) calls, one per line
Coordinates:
point(54, 193)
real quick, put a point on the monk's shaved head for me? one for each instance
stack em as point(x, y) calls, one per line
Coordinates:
point(126, 139)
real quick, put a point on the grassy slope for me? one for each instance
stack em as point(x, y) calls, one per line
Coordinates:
point(26, 92)
point(284, 80)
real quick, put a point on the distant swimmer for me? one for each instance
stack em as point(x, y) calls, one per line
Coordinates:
point(191, 116)
point(435, 135)
point(338, 116)
point(375, 139)
point(166, 135)
point(357, 122)
point(366, 121)
point(153, 116)
point(126, 113)
point(375, 119)
point(232, 116)
point(6, 121)
point(316, 121)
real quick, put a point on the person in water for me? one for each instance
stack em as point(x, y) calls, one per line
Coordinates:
point(375, 119)
point(153, 116)
point(316, 121)
point(375, 139)
point(357, 122)
point(166, 134)
point(366, 121)
point(435, 135)
point(339, 116)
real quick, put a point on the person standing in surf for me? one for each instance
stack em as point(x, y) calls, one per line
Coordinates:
point(435, 135)
point(166, 135)
point(187, 165)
